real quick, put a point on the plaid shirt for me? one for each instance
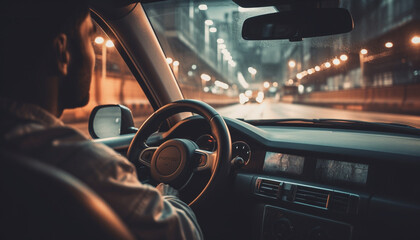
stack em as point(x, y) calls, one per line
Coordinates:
point(33, 131)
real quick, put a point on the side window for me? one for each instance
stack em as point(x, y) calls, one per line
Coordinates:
point(112, 83)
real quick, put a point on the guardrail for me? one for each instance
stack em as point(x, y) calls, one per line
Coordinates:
point(397, 99)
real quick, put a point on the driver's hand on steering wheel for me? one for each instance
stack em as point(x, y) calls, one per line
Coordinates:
point(167, 190)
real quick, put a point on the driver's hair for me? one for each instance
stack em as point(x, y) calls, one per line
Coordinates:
point(28, 29)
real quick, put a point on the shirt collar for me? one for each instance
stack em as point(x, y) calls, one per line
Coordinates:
point(28, 111)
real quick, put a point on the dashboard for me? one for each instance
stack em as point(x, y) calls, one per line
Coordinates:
point(318, 183)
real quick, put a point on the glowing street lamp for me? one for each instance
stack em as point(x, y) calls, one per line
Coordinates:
point(344, 57)
point(252, 71)
point(327, 64)
point(317, 68)
point(292, 63)
point(213, 29)
point(169, 60)
point(202, 7)
point(266, 84)
point(389, 45)
point(99, 40)
point(221, 84)
point(208, 22)
point(205, 77)
point(415, 40)
point(363, 51)
point(105, 44)
point(175, 65)
point(336, 61)
point(232, 63)
point(109, 43)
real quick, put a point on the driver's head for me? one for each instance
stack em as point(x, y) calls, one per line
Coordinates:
point(46, 52)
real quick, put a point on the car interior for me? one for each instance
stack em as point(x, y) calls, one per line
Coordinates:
point(288, 178)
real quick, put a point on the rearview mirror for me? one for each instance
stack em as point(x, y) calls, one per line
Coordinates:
point(298, 24)
point(110, 121)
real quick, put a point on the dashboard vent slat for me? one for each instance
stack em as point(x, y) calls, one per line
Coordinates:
point(340, 203)
point(268, 188)
point(312, 196)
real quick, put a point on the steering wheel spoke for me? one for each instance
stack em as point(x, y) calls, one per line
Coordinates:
point(146, 155)
point(205, 160)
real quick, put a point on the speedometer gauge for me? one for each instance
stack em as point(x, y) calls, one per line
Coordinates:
point(206, 142)
point(242, 150)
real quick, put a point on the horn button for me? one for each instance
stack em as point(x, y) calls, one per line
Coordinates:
point(168, 161)
point(172, 162)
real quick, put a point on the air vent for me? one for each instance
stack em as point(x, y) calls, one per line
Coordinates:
point(340, 203)
point(268, 188)
point(312, 196)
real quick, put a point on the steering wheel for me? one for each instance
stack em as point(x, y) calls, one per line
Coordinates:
point(175, 160)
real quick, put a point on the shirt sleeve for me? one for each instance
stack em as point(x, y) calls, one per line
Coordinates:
point(147, 213)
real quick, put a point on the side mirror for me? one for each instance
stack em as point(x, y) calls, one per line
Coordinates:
point(111, 121)
point(297, 24)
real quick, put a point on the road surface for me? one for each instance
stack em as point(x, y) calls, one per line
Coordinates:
point(275, 110)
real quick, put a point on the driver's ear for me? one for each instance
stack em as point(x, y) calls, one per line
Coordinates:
point(62, 53)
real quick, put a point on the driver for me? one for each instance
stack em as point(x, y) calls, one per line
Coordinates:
point(46, 66)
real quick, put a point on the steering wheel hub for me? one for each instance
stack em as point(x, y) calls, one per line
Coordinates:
point(168, 161)
point(172, 162)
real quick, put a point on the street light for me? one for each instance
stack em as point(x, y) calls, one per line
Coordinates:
point(252, 71)
point(311, 71)
point(336, 61)
point(220, 40)
point(266, 84)
point(389, 45)
point(227, 58)
point(415, 40)
point(364, 51)
point(205, 77)
point(169, 60)
point(99, 40)
point(301, 89)
point(327, 64)
point(175, 65)
point(221, 84)
point(344, 57)
point(208, 22)
point(213, 29)
point(292, 63)
point(109, 43)
point(317, 68)
point(202, 7)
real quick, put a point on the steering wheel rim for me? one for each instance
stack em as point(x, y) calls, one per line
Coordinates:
point(221, 165)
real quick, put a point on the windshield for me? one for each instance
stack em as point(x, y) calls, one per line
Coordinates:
point(370, 74)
